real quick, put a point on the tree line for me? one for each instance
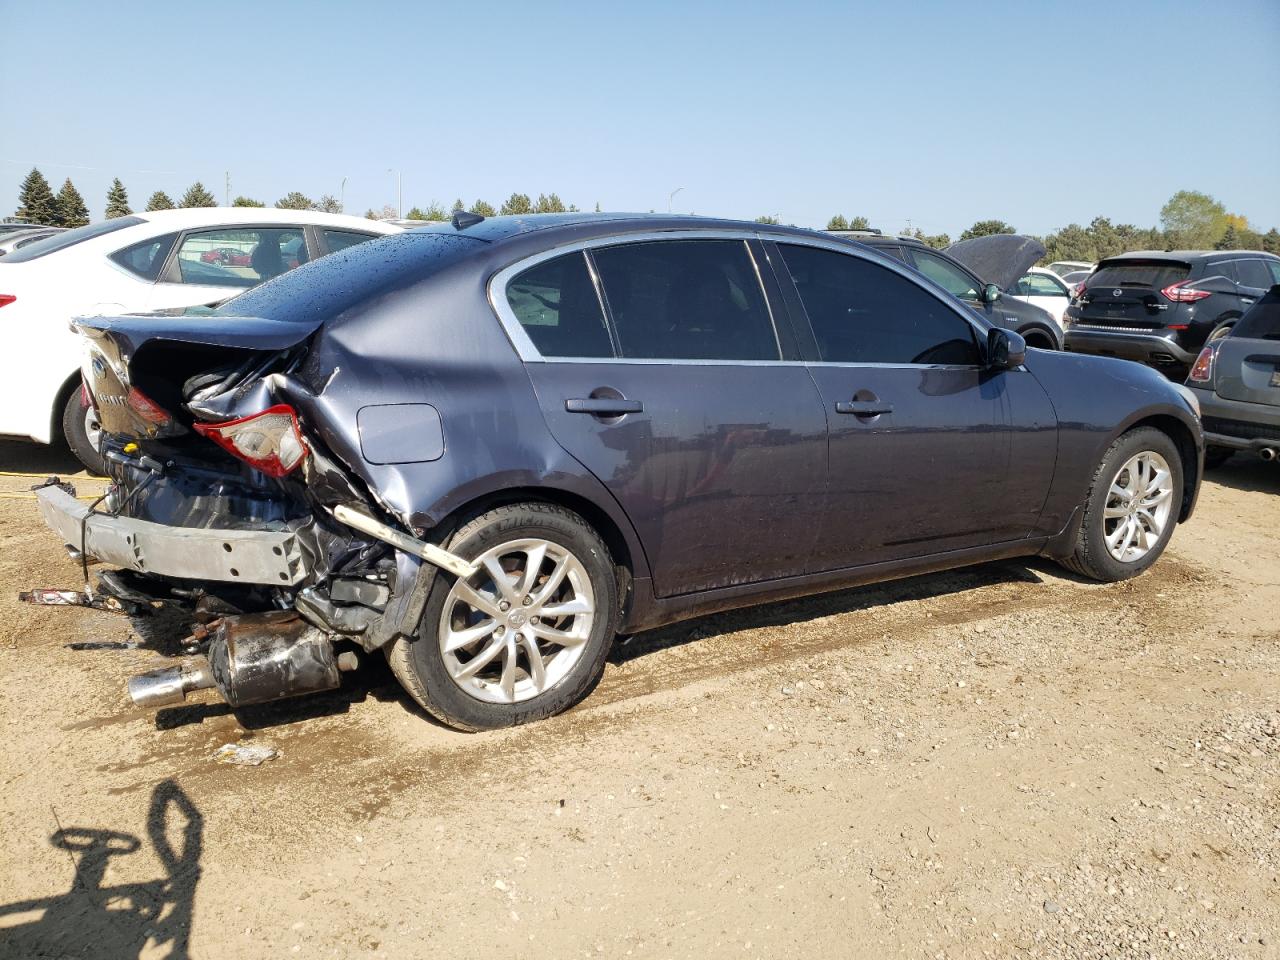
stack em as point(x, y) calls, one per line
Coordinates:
point(1190, 220)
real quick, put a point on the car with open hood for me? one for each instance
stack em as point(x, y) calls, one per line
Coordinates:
point(166, 259)
point(978, 272)
point(484, 449)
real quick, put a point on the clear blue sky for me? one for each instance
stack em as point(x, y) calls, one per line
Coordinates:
point(942, 113)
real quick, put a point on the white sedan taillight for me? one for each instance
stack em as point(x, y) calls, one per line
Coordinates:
point(270, 441)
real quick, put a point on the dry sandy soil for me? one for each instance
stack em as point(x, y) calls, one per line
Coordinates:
point(1003, 761)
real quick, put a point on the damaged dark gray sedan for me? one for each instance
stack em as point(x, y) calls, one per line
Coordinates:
point(485, 449)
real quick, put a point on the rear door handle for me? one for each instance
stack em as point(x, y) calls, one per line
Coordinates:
point(864, 408)
point(603, 406)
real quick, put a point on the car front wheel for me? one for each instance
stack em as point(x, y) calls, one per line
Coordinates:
point(1132, 507)
point(526, 635)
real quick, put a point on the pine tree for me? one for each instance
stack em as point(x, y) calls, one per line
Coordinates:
point(72, 211)
point(117, 201)
point(549, 204)
point(36, 202)
point(766, 218)
point(159, 201)
point(517, 203)
point(859, 223)
point(294, 201)
point(838, 222)
point(1228, 240)
point(247, 202)
point(457, 206)
point(484, 209)
point(328, 204)
point(1271, 241)
point(197, 196)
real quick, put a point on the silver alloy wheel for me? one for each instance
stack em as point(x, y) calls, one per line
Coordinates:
point(516, 627)
point(1139, 503)
point(92, 428)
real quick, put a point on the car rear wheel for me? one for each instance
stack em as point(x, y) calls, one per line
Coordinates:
point(80, 427)
point(1131, 509)
point(524, 637)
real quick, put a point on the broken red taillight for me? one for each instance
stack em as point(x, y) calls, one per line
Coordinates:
point(146, 408)
point(270, 441)
point(1180, 293)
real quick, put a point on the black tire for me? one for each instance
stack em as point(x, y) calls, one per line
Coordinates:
point(1214, 457)
point(420, 666)
point(1091, 557)
point(1039, 339)
point(77, 436)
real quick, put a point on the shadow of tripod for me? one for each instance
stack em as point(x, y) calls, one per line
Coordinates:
point(121, 920)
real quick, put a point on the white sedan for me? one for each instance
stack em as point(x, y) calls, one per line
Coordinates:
point(142, 262)
point(1044, 289)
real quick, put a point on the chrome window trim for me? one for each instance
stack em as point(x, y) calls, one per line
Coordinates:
point(497, 292)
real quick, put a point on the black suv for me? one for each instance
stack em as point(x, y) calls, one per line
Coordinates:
point(1008, 258)
point(1160, 308)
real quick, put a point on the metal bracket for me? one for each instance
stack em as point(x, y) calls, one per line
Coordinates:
point(401, 541)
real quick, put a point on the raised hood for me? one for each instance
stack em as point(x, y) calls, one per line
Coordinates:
point(1001, 258)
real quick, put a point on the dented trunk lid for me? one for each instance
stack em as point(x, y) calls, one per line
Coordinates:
point(137, 367)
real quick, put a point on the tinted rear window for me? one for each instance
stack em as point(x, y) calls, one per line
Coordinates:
point(61, 241)
point(1154, 274)
point(1262, 320)
point(687, 300)
point(327, 287)
point(556, 303)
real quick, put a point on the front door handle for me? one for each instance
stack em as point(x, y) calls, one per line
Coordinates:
point(603, 406)
point(864, 408)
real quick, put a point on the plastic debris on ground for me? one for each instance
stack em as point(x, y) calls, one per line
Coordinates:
point(245, 754)
point(76, 598)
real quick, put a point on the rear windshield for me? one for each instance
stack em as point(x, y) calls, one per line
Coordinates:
point(325, 288)
point(60, 241)
point(1262, 321)
point(1154, 274)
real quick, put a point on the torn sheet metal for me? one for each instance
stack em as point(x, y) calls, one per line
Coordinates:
point(76, 598)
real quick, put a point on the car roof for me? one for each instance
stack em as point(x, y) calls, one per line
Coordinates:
point(498, 229)
point(1184, 255)
point(185, 217)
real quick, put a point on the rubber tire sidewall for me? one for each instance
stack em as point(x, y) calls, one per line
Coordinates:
point(420, 666)
point(1092, 558)
point(73, 413)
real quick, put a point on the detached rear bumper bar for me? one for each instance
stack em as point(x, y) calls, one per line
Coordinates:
point(270, 557)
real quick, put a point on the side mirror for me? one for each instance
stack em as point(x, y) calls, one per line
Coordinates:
point(990, 293)
point(1005, 349)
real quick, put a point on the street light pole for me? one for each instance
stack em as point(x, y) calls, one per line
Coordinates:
point(672, 197)
point(342, 195)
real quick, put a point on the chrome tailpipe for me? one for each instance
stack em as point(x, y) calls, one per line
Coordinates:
point(1267, 453)
point(159, 688)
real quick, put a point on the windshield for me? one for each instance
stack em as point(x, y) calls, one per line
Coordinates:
point(70, 238)
point(1262, 321)
point(1151, 274)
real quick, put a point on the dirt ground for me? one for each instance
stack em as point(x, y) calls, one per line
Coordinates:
point(1003, 761)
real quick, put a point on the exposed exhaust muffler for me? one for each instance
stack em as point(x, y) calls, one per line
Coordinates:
point(255, 658)
point(1267, 453)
